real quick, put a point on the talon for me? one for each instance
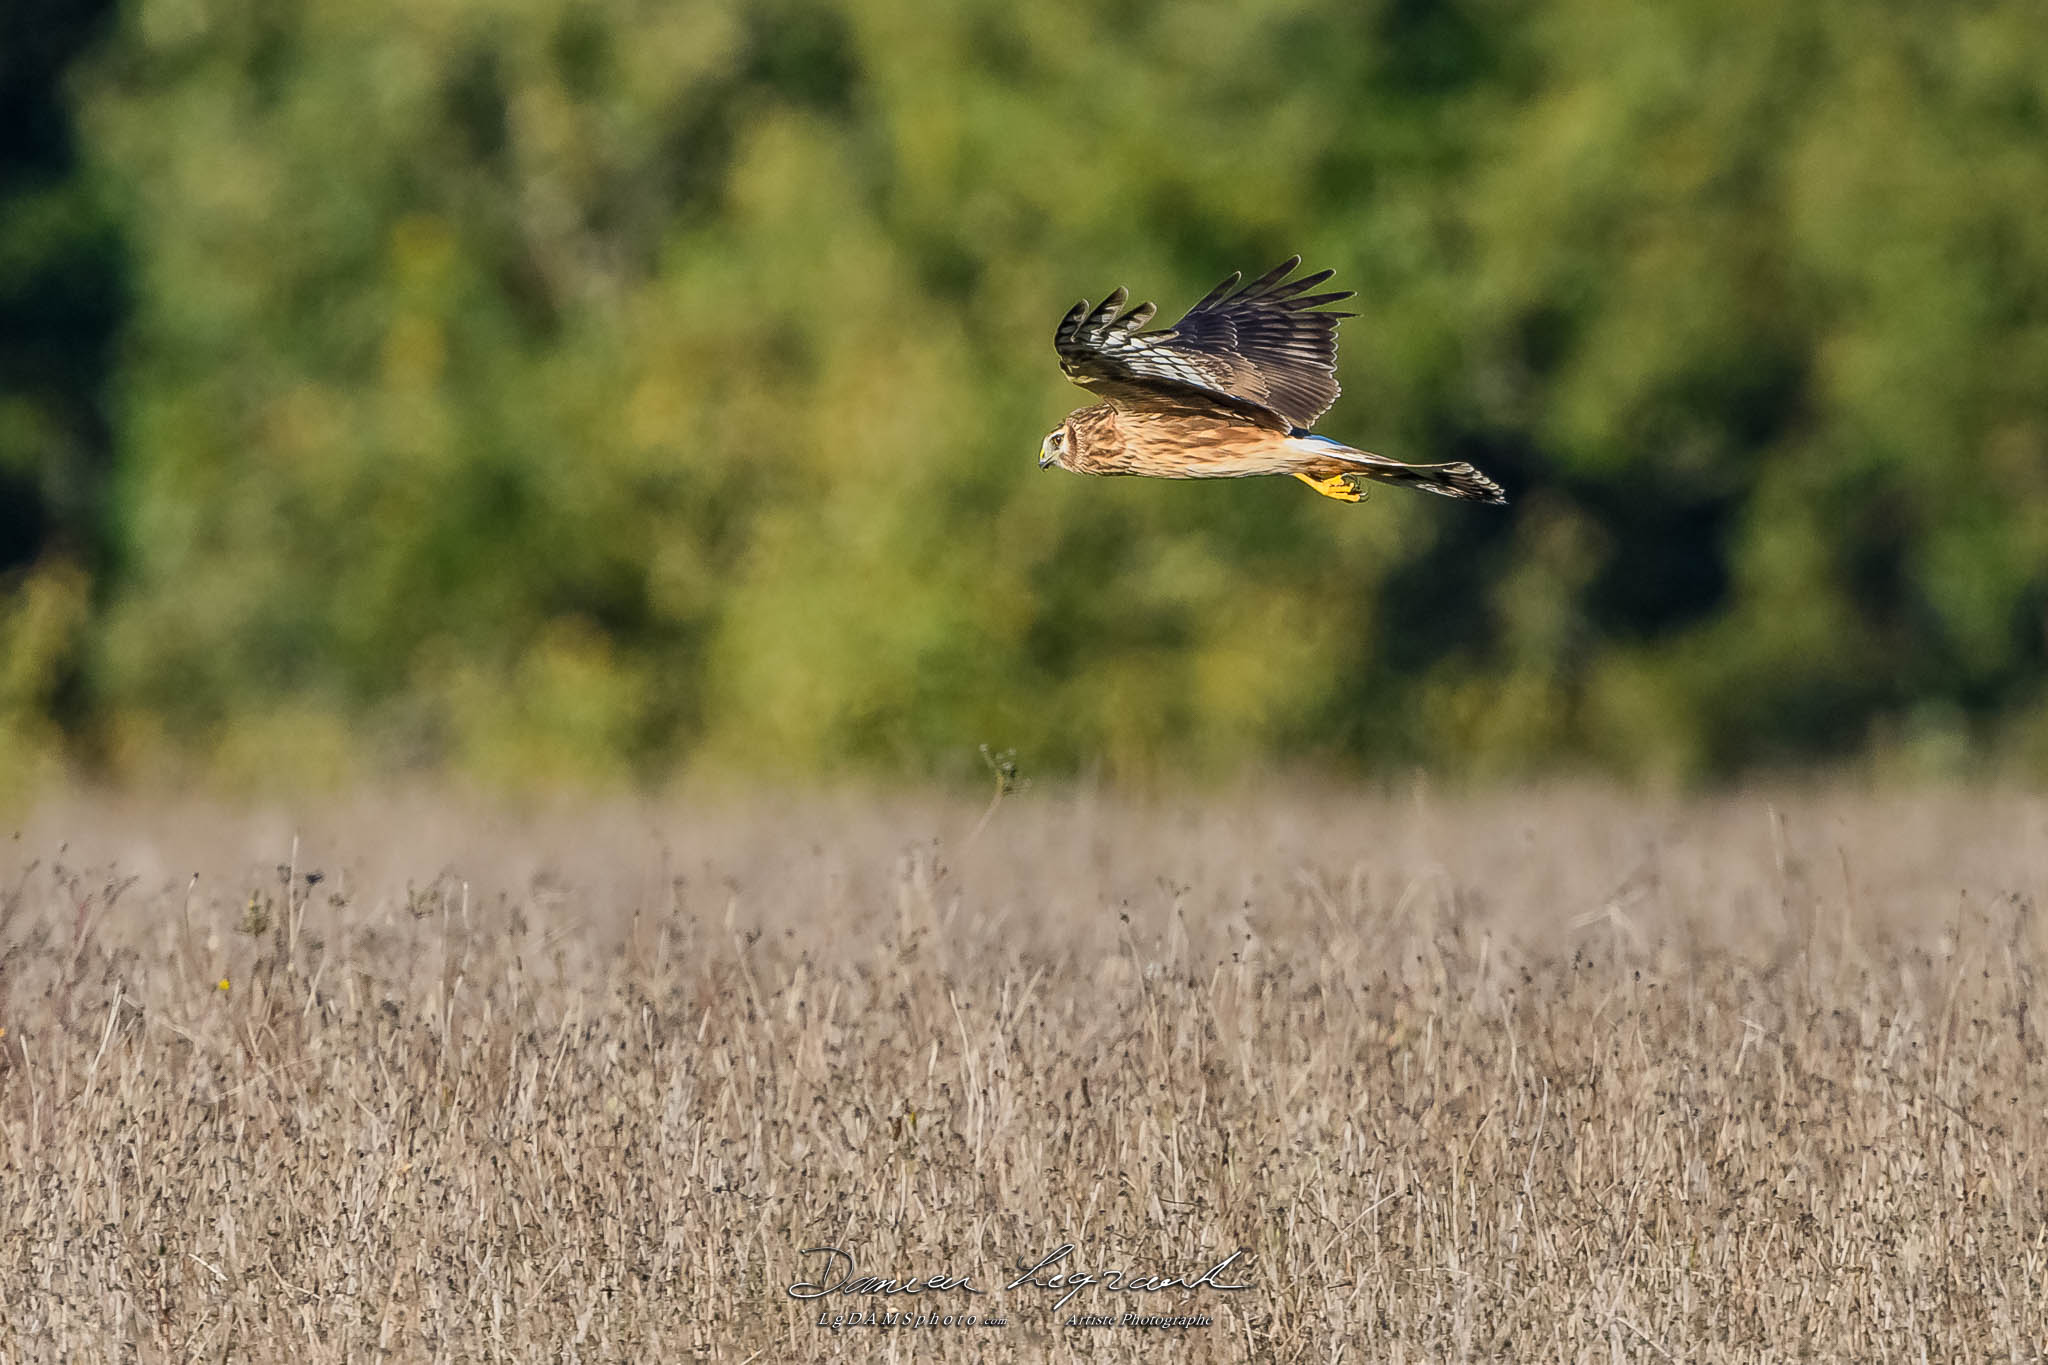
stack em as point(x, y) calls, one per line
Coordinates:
point(1342, 487)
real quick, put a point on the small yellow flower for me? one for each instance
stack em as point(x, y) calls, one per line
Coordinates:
point(223, 984)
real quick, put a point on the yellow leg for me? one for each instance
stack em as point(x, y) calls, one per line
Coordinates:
point(1342, 487)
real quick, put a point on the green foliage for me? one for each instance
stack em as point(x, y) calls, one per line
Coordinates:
point(61, 268)
point(572, 391)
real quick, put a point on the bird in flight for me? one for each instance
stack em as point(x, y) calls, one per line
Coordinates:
point(1228, 392)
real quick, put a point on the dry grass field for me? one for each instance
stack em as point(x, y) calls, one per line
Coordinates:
point(1559, 1075)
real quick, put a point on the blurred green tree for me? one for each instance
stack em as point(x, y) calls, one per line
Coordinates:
point(61, 298)
point(567, 391)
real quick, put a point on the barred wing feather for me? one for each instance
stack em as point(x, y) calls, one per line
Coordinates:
point(1267, 350)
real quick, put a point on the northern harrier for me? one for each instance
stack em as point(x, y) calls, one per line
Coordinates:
point(1229, 391)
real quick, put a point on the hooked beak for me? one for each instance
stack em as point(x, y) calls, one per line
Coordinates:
point(1044, 458)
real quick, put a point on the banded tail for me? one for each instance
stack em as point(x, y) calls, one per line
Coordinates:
point(1330, 466)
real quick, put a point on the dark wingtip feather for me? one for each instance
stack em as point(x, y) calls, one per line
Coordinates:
point(1278, 272)
point(1261, 287)
point(1294, 288)
point(1070, 325)
point(1229, 283)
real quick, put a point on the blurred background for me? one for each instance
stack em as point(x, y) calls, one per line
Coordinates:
point(552, 392)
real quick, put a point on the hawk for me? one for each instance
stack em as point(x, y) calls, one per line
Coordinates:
point(1227, 392)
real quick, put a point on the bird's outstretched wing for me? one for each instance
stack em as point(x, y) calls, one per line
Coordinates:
point(1267, 351)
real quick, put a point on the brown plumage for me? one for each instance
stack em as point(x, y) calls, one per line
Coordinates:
point(1227, 392)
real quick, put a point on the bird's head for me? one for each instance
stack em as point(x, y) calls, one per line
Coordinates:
point(1053, 450)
